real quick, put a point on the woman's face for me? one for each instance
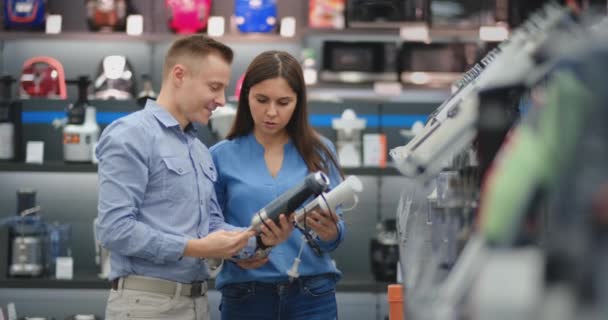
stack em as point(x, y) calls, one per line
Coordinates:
point(272, 102)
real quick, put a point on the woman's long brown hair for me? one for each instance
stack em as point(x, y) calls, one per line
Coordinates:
point(274, 64)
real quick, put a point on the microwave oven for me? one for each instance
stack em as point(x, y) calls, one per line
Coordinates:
point(386, 13)
point(359, 62)
point(468, 14)
point(436, 64)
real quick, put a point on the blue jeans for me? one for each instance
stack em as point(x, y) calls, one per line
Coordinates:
point(310, 298)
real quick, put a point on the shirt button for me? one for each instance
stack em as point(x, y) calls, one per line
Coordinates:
point(180, 170)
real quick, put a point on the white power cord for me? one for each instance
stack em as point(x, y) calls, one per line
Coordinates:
point(293, 271)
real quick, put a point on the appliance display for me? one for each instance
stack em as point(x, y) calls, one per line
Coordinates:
point(24, 14)
point(42, 77)
point(326, 14)
point(386, 13)
point(188, 16)
point(255, 15)
point(221, 121)
point(27, 234)
point(384, 252)
point(359, 62)
point(348, 143)
point(115, 79)
point(11, 130)
point(81, 132)
point(147, 91)
point(436, 64)
point(107, 15)
point(465, 14)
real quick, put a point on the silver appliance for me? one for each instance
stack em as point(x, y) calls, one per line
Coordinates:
point(27, 237)
point(27, 256)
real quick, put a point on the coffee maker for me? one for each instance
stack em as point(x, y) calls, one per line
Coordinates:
point(11, 147)
point(26, 236)
point(384, 251)
point(81, 132)
point(349, 128)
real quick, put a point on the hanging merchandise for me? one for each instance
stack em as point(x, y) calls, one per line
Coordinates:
point(107, 15)
point(81, 132)
point(359, 62)
point(188, 16)
point(451, 126)
point(452, 278)
point(24, 14)
point(326, 14)
point(147, 92)
point(386, 13)
point(435, 64)
point(115, 79)
point(42, 77)
point(11, 146)
point(255, 15)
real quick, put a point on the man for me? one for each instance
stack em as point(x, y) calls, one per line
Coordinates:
point(158, 212)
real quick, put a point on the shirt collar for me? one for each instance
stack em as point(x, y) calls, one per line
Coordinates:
point(165, 117)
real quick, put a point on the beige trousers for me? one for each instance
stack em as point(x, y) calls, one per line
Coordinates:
point(126, 304)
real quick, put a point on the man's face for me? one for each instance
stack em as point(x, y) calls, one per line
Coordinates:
point(204, 88)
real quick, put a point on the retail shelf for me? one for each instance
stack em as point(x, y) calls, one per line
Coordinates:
point(391, 32)
point(372, 171)
point(333, 92)
point(60, 166)
point(91, 281)
point(48, 166)
point(80, 281)
point(146, 37)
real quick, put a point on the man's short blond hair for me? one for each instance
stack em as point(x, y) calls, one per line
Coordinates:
point(193, 47)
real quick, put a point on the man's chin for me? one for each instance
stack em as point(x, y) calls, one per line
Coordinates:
point(201, 118)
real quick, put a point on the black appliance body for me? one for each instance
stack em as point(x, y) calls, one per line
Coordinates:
point(359, 62)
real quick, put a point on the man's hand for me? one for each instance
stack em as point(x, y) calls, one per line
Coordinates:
point(276, 234)
point(252, 263)
point(218, 244)
point(324, 224)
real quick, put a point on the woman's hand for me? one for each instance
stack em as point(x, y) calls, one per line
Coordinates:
point(272, 234)
point(324, 224)
point(252, 263)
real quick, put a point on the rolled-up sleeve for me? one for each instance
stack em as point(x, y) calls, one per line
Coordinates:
point(123, 177)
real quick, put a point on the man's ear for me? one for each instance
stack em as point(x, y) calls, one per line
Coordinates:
point(178, 74)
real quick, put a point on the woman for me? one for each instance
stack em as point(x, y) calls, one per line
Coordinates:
point(271, 148)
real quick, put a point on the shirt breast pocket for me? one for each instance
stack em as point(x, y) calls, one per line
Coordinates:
point(178, 180)
point(207, 180)
point(209, 172)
